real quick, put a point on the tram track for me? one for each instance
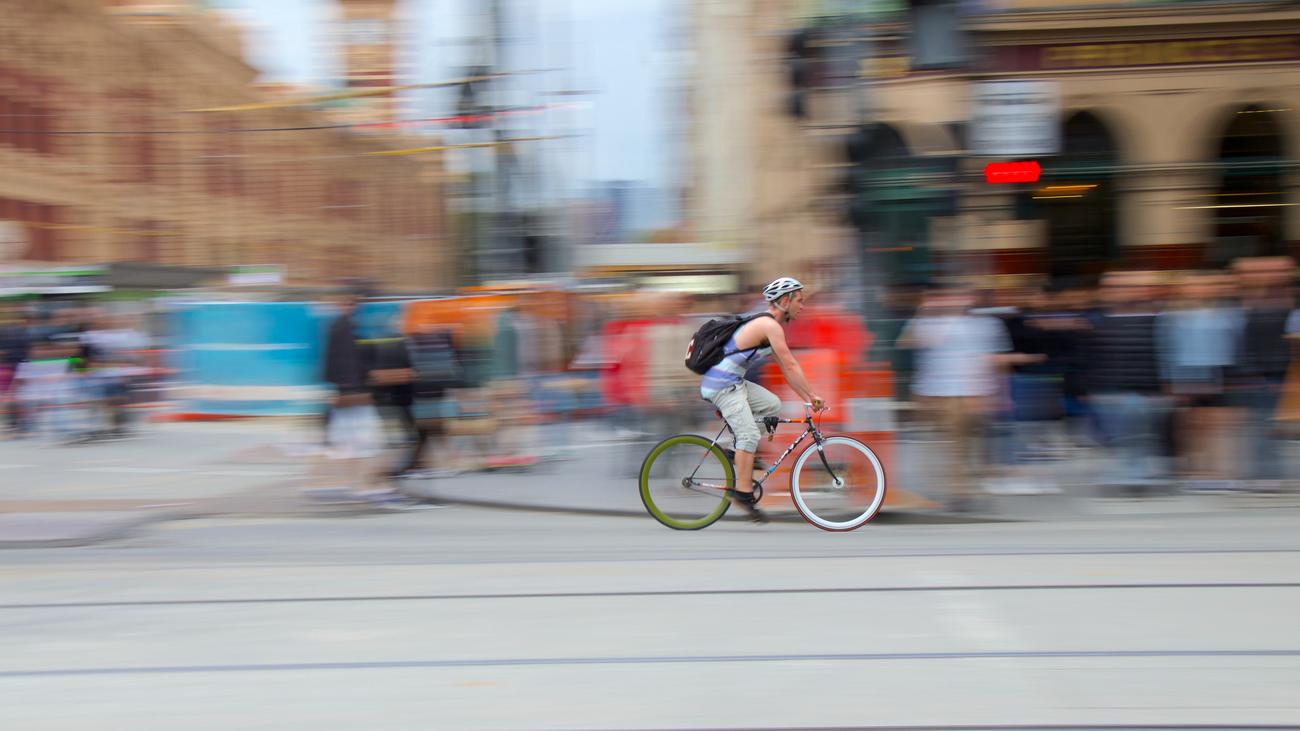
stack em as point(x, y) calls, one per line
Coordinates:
point(661, 593)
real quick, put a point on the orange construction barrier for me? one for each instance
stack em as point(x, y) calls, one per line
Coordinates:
point(861, 396)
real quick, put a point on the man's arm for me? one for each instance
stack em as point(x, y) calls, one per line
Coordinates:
point(789, 366)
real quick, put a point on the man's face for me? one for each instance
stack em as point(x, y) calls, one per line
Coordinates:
point(794, 305)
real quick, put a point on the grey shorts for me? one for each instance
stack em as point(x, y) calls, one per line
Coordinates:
point(744, 406)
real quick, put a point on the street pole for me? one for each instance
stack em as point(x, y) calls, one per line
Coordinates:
point(503, 262)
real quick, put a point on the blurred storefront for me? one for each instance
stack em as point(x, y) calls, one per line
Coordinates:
point(1179, 131)
point(1173, 141)
point(136, 132)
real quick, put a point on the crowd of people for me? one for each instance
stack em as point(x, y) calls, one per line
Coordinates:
point(1181, 383)
point(1175, 381)
point(1164, 381)
point(69, 375)
point(498, 392)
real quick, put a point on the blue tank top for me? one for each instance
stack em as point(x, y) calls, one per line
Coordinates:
point(732, 368)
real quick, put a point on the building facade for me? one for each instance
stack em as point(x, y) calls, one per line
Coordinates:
point(755, 172)
point(1178, 128)
point(137, 132)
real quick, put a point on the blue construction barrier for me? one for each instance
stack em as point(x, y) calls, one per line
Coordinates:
point(249, 358)
point(377, 320)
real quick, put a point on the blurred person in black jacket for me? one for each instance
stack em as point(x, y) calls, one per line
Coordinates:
point(1065, 321)
point(1262, 363)
point(1124, 380)
point(354, 427)
point(1043, 337)
point(392, 383)
point(437, 369)
point(15, 343)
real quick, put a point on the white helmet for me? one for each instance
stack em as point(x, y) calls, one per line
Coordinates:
point(781, 287)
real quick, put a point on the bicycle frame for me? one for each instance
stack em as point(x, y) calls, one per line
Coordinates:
point(770, 424)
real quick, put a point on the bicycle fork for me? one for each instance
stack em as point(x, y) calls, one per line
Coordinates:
point(821, 453)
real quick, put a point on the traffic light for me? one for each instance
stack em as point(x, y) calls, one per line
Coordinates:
point(857, 151)
point(800, 59)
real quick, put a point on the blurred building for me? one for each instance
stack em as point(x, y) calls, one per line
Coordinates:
point(1177, 128)
point(367, 35)
point(754, 171)
point(1170, 138)
point(135, 131)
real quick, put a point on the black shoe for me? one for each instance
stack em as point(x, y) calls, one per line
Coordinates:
point(748, 503)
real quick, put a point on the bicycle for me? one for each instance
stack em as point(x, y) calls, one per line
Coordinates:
point(687, 480)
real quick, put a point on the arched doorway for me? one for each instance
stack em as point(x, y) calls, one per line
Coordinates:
point(896, 195)
point(1076, 197)
point(891, 210)
point(1249, 207)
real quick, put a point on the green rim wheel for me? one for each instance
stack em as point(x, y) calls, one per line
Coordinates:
point(686, 482)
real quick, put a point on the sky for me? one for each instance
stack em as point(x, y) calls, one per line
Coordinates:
point(617, 49)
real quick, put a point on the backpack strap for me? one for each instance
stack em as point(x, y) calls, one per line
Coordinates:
point(745, 322)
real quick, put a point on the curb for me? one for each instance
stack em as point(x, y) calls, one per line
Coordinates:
point(897, 517)
point(110, 532)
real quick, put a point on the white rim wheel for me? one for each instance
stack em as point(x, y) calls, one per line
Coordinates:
point(861, 487)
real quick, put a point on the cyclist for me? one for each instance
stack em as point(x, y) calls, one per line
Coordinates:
point(744, 404)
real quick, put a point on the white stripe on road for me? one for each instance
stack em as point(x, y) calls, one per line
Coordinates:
point(131, 470)
point(248, 473)
point(174, 470)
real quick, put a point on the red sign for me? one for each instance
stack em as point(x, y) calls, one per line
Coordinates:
point(1012, 172)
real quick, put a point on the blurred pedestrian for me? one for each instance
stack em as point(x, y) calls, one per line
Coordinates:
point(1124, 381)
point(1262, 363)
point(355, 431)
point(45, 385)
point(1068, 317)
point(437, 372)
point(15, 342)
point(1198, 339)
point(1035, 390)
point(956, 381)
point(115, 349)
point(392, 385)
point(674, 401)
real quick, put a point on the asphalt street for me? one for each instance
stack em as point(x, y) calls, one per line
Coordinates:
point(494, 619)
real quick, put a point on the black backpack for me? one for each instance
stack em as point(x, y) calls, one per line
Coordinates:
point(707, 344)
point(437, 368)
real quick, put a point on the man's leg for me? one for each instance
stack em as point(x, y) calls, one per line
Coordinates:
point(763, 404)
point(1263, 449)
point(967, 450)
point(735, 407)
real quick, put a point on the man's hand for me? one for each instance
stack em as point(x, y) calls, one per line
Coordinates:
point(818, 403)
point(344, 401)
point(392, 376)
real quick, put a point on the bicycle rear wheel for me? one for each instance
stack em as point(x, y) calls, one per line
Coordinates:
point(839, 485)
point(686, 482)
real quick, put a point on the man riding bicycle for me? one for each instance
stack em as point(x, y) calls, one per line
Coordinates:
point(745, 404)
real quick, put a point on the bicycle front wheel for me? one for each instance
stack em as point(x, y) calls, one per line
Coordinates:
point(838, 485)
point(686, 482)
